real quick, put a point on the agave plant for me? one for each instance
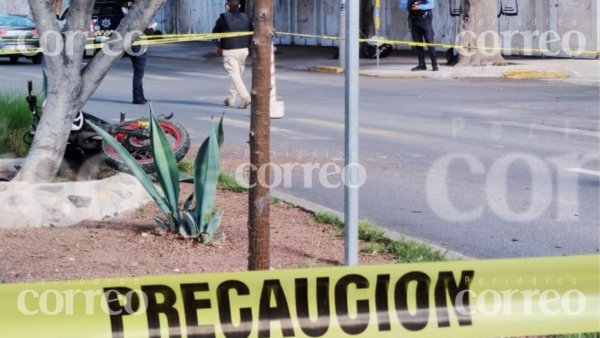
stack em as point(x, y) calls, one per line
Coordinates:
point(200, 222)
point(203, 221)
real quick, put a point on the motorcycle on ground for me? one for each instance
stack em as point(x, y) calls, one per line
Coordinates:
point(134, 135)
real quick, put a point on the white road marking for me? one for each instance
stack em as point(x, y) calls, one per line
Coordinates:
point(294, 135)
point(584, 171)
point(386, 134)
point(567, 130)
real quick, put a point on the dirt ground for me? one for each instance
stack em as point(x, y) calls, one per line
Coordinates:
point(129, 245)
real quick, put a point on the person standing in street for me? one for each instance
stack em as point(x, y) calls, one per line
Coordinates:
point(420, 17)
point(234, 50)
point(139, 65)
point(138, 62)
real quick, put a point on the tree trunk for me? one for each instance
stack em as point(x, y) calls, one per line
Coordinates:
point(258, 207)
point(70, 86)
point(57, 6)
point(479, 34)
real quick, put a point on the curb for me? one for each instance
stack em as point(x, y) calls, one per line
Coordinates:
point(313, 208)
point(326, 69)
point(528, 73)
point(378, 74)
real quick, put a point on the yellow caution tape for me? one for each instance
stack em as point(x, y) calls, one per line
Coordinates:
point(177, 38)
point(381, 41)
point(514, 297)
point(151, 40)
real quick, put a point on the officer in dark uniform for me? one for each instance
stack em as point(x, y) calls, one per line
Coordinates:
point(138, 61)
point(421, 23)
point(139, 65)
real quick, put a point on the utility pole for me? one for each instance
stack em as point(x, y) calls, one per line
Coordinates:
point(260, 124)
point(351, 133)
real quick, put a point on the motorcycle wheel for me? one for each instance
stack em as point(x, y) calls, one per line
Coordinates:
point(139, 148)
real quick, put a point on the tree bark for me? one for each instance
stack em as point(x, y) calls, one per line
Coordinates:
point(478, 34)
point(70, 86)
point(258, 213)
point(57, 6)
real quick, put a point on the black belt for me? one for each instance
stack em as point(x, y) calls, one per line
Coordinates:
point(425, 15)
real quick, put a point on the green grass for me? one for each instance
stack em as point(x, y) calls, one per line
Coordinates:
point(15, 120)
point(580, 335)
point(403, 250)
point(228, 182)
point(186, 166)
point(331, 219)
point(275, 200)
point(414, 252)
point(371, 232)
point(373, 248)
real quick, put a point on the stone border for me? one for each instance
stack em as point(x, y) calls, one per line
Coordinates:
point(24, 204)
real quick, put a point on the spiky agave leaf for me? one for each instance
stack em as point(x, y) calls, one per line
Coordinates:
point(207, 175)
point(214, 223)
point(220, 133)
point(136, 170)
point(166, 166)
point(191, 224)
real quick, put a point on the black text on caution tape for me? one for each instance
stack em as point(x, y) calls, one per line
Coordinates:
point(290, 303)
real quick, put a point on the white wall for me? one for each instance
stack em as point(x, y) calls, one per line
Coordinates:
point(526, 19)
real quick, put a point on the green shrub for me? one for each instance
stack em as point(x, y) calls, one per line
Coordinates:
point(15, 120)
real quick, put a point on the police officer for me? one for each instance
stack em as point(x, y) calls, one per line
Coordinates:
point(139, 65)
point(234, 50)
point(421, 18)
point(138, 62)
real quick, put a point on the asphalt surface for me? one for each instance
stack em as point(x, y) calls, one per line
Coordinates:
point(485, 167)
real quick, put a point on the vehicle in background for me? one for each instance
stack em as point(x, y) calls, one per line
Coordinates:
point(19, 38)
point(106, 17)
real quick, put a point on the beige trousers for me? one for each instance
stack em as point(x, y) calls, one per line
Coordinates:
point(234, 62)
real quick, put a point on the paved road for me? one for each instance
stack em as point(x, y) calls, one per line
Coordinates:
point(486, 167)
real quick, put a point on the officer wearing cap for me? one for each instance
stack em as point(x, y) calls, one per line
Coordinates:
point(421, 23)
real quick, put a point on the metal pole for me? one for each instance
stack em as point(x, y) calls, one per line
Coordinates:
point(351, 161)
point(377, 27)
point(341, 45)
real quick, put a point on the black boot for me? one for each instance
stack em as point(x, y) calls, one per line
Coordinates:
point(434, 65)
point(420, 67)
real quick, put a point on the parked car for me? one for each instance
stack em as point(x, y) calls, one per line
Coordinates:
point(18, 35)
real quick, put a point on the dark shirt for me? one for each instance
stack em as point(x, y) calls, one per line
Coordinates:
point(234, 21)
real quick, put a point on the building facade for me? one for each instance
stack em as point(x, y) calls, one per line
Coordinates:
point(524, 25)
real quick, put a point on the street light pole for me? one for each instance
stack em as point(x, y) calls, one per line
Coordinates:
point(351, 133)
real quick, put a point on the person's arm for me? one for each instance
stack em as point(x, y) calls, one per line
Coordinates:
point(219, 28)
point(404, 5)
point(428, 5)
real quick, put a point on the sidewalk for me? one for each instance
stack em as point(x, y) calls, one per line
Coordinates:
point(398, 65)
